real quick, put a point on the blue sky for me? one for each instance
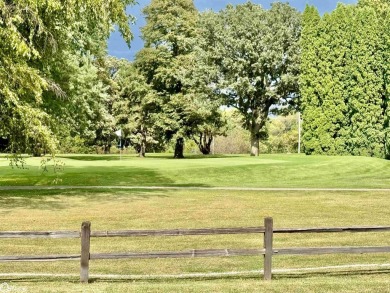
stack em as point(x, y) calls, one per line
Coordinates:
point(118, 48)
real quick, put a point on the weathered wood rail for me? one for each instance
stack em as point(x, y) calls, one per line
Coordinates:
point(267, 251)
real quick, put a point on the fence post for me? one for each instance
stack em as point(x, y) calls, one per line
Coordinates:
point(268, 235)
point(85, 245)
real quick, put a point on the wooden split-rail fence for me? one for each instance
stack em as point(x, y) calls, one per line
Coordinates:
point(268, 251)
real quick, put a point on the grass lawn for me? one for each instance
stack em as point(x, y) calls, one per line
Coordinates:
point(163, 209)
point(239, 171)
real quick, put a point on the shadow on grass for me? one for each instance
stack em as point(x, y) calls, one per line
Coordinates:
point(192, 157)
point(93, 176)
point(111, 157)
point(116, 157)
point(113, 175)
point(57, 199)
point(54, 199)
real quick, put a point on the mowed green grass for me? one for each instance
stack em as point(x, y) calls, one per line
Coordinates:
point(159, 209)
point(110, 209)
point(237, 171)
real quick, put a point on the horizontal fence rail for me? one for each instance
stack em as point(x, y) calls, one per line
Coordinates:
point(40, 234)
point(181, 254)
point(331, 250)
point(186, 232)
point(40, 257)
point(268, 251)
point(179, 232)
point(203, 253)
point(333, 230)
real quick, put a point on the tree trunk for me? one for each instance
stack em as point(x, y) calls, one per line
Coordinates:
point(142, 150)
point(258, 131)
point(255, 143)
point(206, 150)
point(179, 148)
point(142, 147)
point(204, 142)
point(107, 148)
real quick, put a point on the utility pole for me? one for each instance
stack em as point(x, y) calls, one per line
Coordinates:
point(299, 132)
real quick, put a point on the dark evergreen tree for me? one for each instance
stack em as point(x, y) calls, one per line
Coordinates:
point(343, 82)
point(322, 81)
point(366, 135)
point(382, 9)
point(310, 80)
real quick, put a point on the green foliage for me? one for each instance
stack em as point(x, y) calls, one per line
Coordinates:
point(324, 43)
point(170, 24)
point(170, 65)
point(205, 118)
point(136, 108)
point(205, 121)
point(169, 37)
point(37, 40)
point(343, 81)
point(366, 84)
point(21, 86)
point(85, 108)
point(257, 53)
point(74, 145)
point(236, 138)
point(283, 134)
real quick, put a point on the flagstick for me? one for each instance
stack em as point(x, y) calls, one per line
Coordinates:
point(119, 134)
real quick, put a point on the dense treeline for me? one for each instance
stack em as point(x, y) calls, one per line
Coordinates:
point(344, 80)
point(60, 91)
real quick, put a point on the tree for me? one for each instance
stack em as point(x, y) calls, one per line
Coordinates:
point(257, 52)
point(382, 9)
point(37, 37)
point(324, 43)
point(366, 134)
point(169, 37)
point(23, 124)
point(205, 119)
point(84, 109)
point(135, 107)
point(343, 82)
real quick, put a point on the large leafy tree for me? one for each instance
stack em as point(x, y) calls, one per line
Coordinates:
point(37, 38)
point(205, 117)
point(169, 35)
point(135, 108)
point(257, 52)
point(22, 123)
point(77, 116)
